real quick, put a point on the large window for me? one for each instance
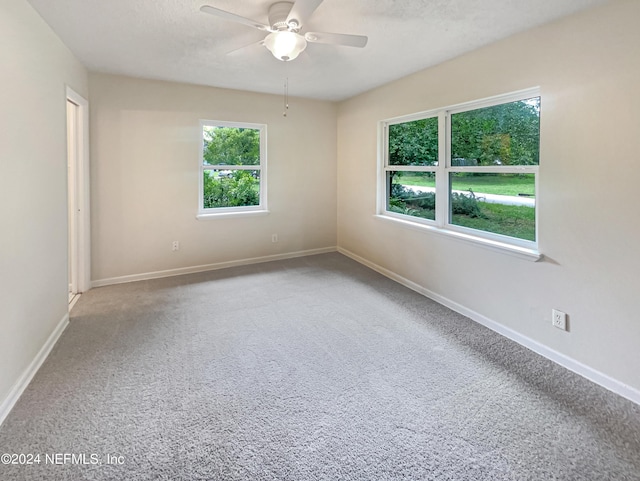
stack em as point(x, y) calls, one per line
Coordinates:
point(469, 169)
point(232, 168)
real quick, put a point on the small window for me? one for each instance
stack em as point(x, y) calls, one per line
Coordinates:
point(232, 168)
point(470, 168)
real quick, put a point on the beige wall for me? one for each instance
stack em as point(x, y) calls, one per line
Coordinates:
point(588, 69)
point(145, 139)
point(36, 66)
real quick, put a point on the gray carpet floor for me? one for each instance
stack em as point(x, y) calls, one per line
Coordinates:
point(314, 368)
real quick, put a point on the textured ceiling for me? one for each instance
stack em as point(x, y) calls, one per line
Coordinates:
point(173, 40)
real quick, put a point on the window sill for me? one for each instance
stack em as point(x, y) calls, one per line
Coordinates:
point(517, 251)
point(227, 215)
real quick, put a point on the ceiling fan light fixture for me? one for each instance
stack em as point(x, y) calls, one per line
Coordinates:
point(285, 45)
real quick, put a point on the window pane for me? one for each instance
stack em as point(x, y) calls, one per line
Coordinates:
point(230, 146)
point(231, 188)
point(506, 134)
point(412, 193)
point(499, 203)
point(414, 143)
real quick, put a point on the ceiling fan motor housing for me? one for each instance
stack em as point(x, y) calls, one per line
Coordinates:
point(278, 13)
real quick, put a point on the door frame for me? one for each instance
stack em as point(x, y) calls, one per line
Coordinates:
point(78, 185)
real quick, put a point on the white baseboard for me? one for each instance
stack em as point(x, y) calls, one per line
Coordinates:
point(23, 381)
point(593, 375)
point(208, 267)
point(73, 301)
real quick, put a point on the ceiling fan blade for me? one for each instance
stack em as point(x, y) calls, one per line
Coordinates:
point(337, 39)
point(301, 11)
point(234, 18)
point(244, 48)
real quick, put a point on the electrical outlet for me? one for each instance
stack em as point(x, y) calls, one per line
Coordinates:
point(559, 319)
point(274, 237)
point(175, 246)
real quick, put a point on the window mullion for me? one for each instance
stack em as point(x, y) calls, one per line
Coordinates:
point(231, 167)
point(442, 197)
point(523, 169)
point(410, 168)
point(383, 162)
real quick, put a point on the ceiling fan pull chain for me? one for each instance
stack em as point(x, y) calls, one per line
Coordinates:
point(286, 96)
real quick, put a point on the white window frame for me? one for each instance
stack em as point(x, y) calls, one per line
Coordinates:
point(216, 212)
point(441, 225)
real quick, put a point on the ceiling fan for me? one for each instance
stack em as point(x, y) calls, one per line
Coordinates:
point(286, 19)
